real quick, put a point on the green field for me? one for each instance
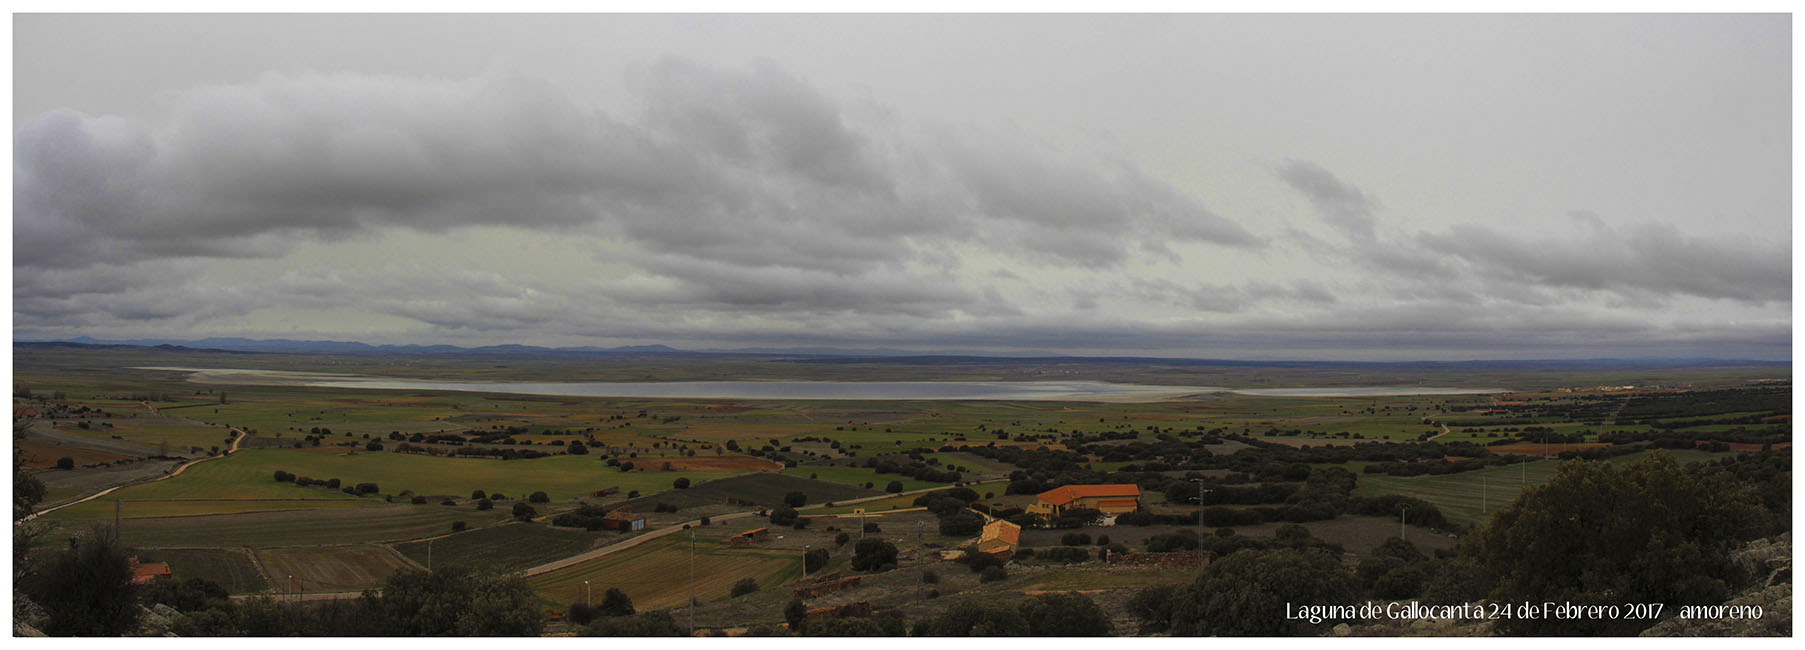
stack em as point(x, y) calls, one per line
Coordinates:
point(859, 476)
point(509, 547)
point(1469, 498)
point(250, 473)
point(229, 568)
point(656, 574)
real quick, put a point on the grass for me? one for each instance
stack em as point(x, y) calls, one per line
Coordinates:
point(386, 523)
point(510, 547)
point(319, 569)
point(858, 476)
point(229, 568)
point(656, 574)
point(1469, 498)
point(103, 507)
point(250, 474)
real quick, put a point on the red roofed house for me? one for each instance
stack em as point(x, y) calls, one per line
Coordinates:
point(624, 520)
point(1111, 499)
point(149, 572)
point(1000, 540)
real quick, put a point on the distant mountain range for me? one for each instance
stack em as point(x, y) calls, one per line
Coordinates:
point(836, 355)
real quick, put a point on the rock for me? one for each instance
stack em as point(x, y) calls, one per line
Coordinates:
point(1341, 629)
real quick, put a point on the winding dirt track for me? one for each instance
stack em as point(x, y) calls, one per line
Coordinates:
point(178, 470)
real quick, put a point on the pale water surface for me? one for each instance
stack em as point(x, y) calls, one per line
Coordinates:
point(863, 390)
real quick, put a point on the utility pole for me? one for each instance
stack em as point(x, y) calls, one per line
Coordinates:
point(585, 593)
point(429, 558)
point(1403, 509)
point(692, 582)
point(116, 522)
point(1200, 492)
point(1484, 489)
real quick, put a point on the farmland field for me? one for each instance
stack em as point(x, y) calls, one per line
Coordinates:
point(229, 568)
point(328, 568)
point(858, 476)
point(656, 574)
point(509, 547)
point(382, 523)
point(1469, 498)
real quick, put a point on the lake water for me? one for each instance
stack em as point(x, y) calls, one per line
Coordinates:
point(860, 390)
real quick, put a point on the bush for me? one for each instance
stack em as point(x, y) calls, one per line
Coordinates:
point(539, 497)
point(993, 573)
point(744, 586)
point(795, 499)
point(681, 483)
point(418, 500)
point(1245, 594)
point(458, 526)
point(284, 477)
point(524, 512)
point(1064, 615)
point(894, 487)
point(373, 446)
point(814, 560)
point(366, 488)
point(801, 523)
point(929, 577)
point(841, 539)
point(485, 504)
point(479, 494)
point(960, 524)
point(615, 603)
point(871, 527)
point(872, 554)
point(783, 516)
point(580, 613)
point(1075, 539)
point(65, 463)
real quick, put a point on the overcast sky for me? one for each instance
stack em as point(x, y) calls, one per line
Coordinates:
point(1321, 187)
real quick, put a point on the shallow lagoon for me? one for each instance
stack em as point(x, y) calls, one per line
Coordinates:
point(853, 390)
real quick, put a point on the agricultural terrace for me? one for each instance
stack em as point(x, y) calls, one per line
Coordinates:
point(656, 574)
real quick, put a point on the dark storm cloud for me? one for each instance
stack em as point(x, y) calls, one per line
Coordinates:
point(1341, 205)
point(715, 160)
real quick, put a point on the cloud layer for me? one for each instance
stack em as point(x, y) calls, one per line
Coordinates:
point(745, 205)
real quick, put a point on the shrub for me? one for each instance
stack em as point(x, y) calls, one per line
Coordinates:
point(929, 577)
point(524, 512)
point(366, 488)
point(539, 497)
point(479, 494)
point(872, 554)
point(744, 586)
point(795, 499)
point(485, 504)
point(580, 613)
point(871, 527)
point(894, 487)
point(65, 463)
point(681, 483)
point(993, 573)
point(284, 477)
point(841, 539)
point(418, 500)
point(1075, 539)
point(783, 516)
point(615, 603)
point(458, 526)
point(1064, 615)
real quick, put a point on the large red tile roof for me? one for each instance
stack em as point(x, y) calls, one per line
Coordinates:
point(1065, 494)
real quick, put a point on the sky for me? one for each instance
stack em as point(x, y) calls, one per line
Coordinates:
point(1333, 187)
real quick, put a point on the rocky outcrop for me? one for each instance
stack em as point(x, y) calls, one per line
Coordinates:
point(1769, 562)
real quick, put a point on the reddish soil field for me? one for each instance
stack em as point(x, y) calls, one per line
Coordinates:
point(1540, 449)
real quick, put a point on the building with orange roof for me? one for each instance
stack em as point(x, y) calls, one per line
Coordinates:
point(1110, 499)
point(149, 572)
point(1000, 540)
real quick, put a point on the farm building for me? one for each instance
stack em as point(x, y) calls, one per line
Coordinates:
point(750, 537)
point(149, 572)
point(1000, 540)
point(1110, 499)
point(624, 519)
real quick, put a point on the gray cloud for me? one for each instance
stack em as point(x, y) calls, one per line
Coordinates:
point(1341, 205)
